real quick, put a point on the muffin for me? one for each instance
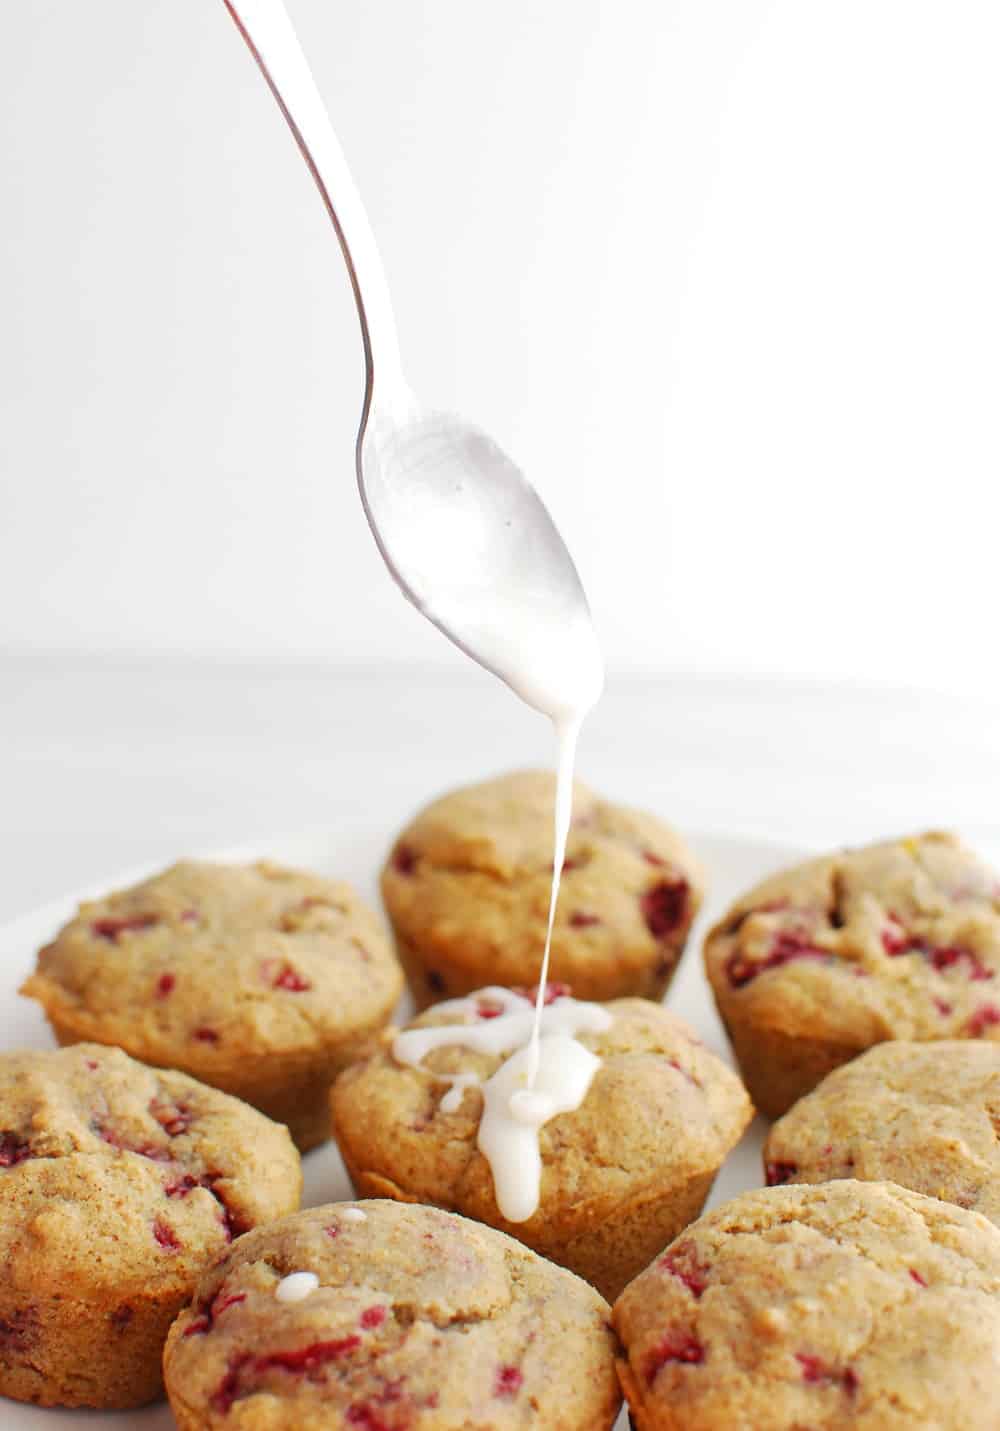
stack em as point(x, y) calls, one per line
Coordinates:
point(259, 980)
point(842, 1305)
point(467, 890)
point(924, 1115)
point(621, 1175)
point(389, 1318)
point(119, 1185)
point(896, 940)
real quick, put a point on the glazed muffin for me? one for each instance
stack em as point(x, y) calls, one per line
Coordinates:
point(818, 963)
point(924, 1115)
point(621, 1175)
point(259, 980)
point(119, 1185)
point(467, 890)
point(386, 1317)
point(843, 1305)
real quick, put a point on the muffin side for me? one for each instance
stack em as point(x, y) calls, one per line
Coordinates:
point(118, 1186)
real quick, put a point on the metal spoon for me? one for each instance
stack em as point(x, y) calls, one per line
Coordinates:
point(463, 533)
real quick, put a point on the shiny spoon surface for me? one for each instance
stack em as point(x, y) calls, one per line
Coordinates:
point(462, 531)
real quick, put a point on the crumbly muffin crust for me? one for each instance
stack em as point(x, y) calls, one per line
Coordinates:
point(924, 1115)
point(846, 1306)
point(259, 980)
point(895, 940)
point(621, 1174)
point(467, 889)
point(119, 1184)
point(421, 1321)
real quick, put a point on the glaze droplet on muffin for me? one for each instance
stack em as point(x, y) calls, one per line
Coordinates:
point(515, 1104)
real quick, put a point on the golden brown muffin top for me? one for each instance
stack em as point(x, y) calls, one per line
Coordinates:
point(421, 1321)
point(660, 1107)
point(216, 961)
point(470, 876)
point(895, 940)
point(846, 1306)
point(924, 1115)
point(119, 1176)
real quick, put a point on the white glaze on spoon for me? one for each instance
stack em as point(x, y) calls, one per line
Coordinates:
point(515, 1105)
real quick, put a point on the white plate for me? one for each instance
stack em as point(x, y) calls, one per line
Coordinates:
point(732, 864)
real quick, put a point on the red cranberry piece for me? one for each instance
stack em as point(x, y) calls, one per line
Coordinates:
point(895, 939)
point(920, 1281)
point(948, 957)
point(509, 1380)
point(283, 976)
point(553, 990)
point(165, 985)
point(579, 920)
point(675, 1346)
point(115, 1139)
point(682, 1262)
point(943, 1007)
point(13, 1150)
point(308, 1358)
point(197, 1328)
point(778, 1173)
point(181, 1186)
point(369, 1418)
point(404, 861)
point(206, 1035)
point(985, 1017)
point(110, 926)
point(173, 1118)
point(486, 1009)
point(228, 1388)
point(814, 1370)
point(788, 946)
point(684, 1072)
point(19, 1331)
point(92, 1064)
point(219, 1306)
point(653, 859)
point(664, 907)
point(373, 1317)
point(165, 1235)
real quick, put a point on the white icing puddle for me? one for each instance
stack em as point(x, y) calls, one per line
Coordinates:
point(538, 1082)
point(296, 1286)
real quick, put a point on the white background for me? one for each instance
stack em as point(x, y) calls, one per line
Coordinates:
point(722, 274)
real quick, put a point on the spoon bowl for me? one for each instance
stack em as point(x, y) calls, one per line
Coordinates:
point(473, 547)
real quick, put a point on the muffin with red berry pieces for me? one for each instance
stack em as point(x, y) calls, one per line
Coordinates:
point(119, 1186)
point(899, 940)
point(841, 1305)
point(259, 980)
point(924, 1115)
point(616, 1174)
point(384, 1317)
point(467, 888)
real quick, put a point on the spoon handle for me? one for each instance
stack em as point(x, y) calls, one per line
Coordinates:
point(268, 32)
